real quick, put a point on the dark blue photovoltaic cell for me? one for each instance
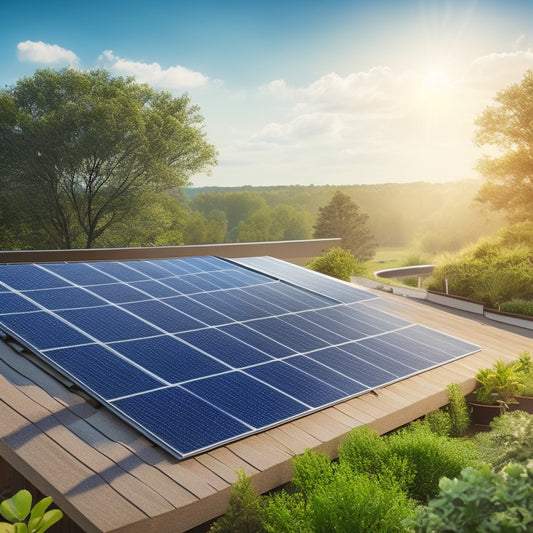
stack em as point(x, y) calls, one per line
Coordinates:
point(95, 367)
point(346, 327)
point(27, 277)
point(444, 343)
point(259, 341)
point(119, 271)
point(295, 383)
point(155, 289)
point(197, 310)
point(392, 364)
point(180, 421)
point(163, 316)
point(118, 293)
point(64, 298)
point(225, 348)
point(202, 282)
point(169, 358)
point(229, 306)
point(181, 285)
point(216, 280)
point(41, 330)
point(299, 321)
point(269, 307)
point(13, 303)
point(326, 374)
point(283, 332)
point(108, 324)
point(345, 316)
point(246, 398)
point(149, 268)
point(372, 315)
point(290, 298)
point(380, 345)
point(79, 273)
point(353, 367)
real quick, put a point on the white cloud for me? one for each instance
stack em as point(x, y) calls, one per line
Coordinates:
point(39, 52)
point(176, 77)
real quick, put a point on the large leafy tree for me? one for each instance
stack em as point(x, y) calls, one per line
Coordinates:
point(507, 126)
point(80, 150)
point(341, 218)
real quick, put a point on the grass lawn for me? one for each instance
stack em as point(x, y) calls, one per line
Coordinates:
point(387, 257)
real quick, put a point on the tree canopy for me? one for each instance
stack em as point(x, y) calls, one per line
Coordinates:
point(341, 218)
point(81, 150)
point(507, 125)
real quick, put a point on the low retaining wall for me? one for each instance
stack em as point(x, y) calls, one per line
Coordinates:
point(449, 300)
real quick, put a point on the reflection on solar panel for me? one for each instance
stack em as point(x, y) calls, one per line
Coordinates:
point(198, 352)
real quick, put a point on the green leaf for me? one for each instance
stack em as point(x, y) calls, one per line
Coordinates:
point(37, 513)
point(48, 520)
point(16, 508)
point(7, 528)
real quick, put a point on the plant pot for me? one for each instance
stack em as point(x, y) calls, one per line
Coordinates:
point(525, 403)
point(483, 413)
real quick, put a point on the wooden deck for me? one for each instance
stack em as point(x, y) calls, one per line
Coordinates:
point(109, 478)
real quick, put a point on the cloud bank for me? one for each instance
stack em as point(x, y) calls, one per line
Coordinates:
point(39, 52)
point(176, 77)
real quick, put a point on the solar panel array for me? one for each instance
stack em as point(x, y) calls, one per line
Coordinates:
point(200, 351)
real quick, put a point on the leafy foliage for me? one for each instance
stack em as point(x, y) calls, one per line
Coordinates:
point(244, 514)
point(510, 439)
point(498, 384)
point(341, 218)
point(457, 410)
point(17, 508)
point(507, 126)
point(493, 271)
point(83, 148)
point(338, 263)
point(517, 306)
point(480, 500)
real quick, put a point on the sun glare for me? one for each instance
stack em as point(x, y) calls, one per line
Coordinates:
point(436, 82)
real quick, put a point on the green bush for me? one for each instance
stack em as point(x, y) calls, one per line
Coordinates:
point(458, 410)
point(517, 306)
point(245, 511)
point(430, 457)
point(439, 422)
point(311, 469)
point(493, 271)
point(480, 501)
point(510, 439)
point(337, 263)
point(356, 502)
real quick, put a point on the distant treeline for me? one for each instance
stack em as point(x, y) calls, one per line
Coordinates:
point(432, 217)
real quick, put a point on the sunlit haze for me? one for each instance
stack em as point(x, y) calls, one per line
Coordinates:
point(298, 92)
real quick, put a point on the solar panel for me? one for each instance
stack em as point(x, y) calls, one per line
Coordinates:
point(198, 352)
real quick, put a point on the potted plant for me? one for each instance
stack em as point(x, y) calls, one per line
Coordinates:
point(524, 394)
point(496, 392)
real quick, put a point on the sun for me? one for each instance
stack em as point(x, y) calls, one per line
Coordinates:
point(436, 82)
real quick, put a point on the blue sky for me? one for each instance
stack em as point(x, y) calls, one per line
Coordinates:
point(298, 92)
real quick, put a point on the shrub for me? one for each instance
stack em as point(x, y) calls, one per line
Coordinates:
point(494, 270)
point(356, 502)
point(311, 470)
point(245, 511)
point(517, 306)
point(439, 422)
point(458, 411)
point(480, 500)
point(337, 263)
point(430, 457)
point(510, 439)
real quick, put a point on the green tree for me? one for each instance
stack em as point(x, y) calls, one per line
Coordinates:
point(341, 218)
point(83, 148)
point(508, 127)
